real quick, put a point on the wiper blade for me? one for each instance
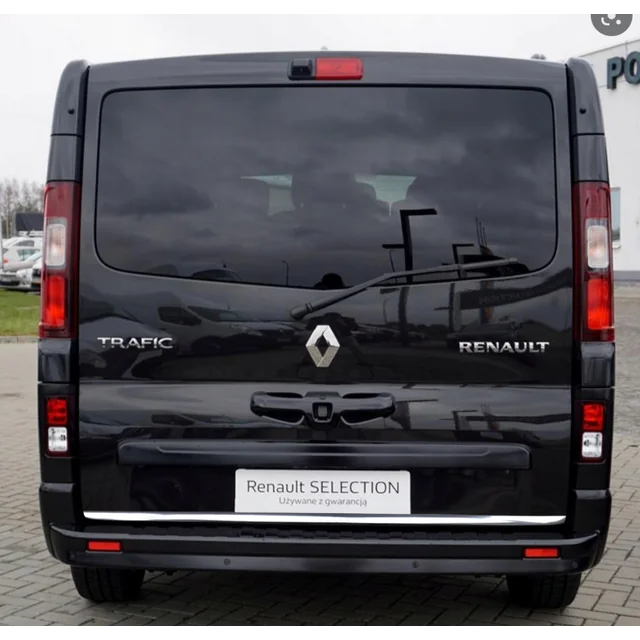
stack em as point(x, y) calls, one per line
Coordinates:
point(302, 310)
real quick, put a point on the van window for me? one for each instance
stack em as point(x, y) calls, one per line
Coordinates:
point(283, 186)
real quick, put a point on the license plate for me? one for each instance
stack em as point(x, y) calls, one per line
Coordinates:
point(323, 492)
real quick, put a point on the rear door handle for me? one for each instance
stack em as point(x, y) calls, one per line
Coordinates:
point(320, 409)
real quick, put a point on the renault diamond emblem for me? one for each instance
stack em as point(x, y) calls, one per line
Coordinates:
point(323, 331)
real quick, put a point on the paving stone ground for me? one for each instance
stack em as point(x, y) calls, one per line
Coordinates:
point(36, 590)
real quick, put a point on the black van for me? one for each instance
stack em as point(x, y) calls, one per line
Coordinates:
point(323, 312)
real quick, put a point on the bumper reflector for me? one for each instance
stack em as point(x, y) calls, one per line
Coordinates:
point(542, 552)
point(103, 545)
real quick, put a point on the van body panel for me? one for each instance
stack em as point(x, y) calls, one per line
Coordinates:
point(528, 398)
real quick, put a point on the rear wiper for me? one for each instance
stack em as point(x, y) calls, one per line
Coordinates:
point(302, 310)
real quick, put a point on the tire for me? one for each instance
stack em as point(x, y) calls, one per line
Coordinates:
point(108, 585)
point(544, 592)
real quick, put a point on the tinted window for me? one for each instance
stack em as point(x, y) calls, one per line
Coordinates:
point(288, 185)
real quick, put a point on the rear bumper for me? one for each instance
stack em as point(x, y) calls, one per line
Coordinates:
point(166, 546)
point(145, 548)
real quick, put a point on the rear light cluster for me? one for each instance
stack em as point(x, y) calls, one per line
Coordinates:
point(59, 266)
point(57, 416)
point(593, 262)
point(593, 414)
point(594, 314)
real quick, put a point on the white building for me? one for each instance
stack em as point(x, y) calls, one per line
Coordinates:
point(617, 71)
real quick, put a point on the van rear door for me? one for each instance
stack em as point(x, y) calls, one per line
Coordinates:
point(219, 194)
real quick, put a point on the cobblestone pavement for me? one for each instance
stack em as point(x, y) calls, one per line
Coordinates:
point(36, 590)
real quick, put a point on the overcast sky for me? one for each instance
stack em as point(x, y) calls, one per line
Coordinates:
point(34, 50)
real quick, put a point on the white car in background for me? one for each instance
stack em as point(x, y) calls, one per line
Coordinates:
point(9, 275)
point(36, 274)
point(19, 248)
point(29, 277)
point(25, 262)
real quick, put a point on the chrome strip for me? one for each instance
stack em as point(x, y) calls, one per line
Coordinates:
point(134, 516)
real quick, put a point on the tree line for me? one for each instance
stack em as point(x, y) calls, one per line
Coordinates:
point(17, 196)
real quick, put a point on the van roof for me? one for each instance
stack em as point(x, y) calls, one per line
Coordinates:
point(459, 66)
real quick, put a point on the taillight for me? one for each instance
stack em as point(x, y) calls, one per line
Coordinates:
point(57, 425)
point(58, 306)
point(593, 262)
point(593, 414)
point(338, 69)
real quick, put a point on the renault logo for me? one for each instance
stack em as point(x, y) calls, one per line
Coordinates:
point(320, 360)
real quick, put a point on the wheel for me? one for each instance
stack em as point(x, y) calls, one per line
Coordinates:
point(544, 592)
point(108, 585)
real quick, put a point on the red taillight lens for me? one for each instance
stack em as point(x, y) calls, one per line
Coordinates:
point(57, 412)
point(54, 303)
point(599, 304)
point(338, 69)
point(593, 264)
point(592, 416)
point(59, 264)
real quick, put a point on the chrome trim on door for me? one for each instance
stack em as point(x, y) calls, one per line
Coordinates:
point(134, 516)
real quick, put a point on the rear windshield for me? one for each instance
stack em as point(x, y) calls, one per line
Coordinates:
point(323, 187)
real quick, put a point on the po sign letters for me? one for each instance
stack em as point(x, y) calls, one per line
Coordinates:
point(628, 67)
